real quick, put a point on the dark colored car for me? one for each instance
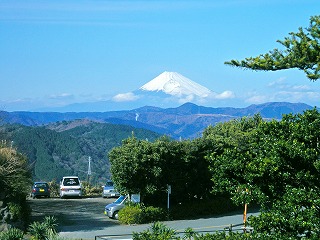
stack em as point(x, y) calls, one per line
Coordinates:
point(40, 189)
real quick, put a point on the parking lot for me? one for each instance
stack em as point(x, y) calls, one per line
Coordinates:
point(74, 214)
point(84, 218)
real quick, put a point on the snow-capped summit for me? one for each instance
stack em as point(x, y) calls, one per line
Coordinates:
point(175, 84)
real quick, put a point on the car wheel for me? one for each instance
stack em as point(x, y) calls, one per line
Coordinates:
point(116, 215)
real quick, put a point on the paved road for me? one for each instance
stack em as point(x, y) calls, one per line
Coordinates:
point(84, 219)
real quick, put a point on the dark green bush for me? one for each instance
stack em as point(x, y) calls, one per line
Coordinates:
point(153, 214)
point(15, 181)
point(198, 208)
point(19, 209)
point(15, 210)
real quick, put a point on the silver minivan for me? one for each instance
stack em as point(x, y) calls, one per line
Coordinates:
point(70, 186)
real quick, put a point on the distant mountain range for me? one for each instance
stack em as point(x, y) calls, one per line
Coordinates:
point(185, 121)
point(169, 89)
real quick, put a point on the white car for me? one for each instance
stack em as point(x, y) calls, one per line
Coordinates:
point(70, 186)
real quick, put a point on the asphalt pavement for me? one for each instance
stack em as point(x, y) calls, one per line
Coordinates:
point(84, 219)
point(202, 225)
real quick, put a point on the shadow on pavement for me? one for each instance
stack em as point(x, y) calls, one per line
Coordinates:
point(73, 215)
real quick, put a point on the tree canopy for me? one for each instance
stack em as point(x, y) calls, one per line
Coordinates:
point(302, 51)
point(140, 166)
point(275, 164)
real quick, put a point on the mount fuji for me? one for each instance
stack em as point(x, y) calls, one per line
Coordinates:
point(171, 89)
point(175, 84)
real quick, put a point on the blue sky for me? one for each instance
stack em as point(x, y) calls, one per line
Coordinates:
point(55, 53)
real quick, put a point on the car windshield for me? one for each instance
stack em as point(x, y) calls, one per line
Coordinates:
point(109, 184)
point(120, 199)
point(71, 182)
point(40, 185)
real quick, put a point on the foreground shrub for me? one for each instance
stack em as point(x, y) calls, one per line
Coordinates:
point(38, 230)
point(225, 236)
point(137, 214)
point(44, 230)
point(153, 214)
point(12, 234)
point(130, 214)
point(158, 231)
point(15, 181)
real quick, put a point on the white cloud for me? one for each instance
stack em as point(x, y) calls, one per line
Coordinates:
point(301, 88)
point(187, 98)
point(125, 97)
point(257, 99)
point(279, 83)
point(297, 96)
point(283, 85)
point(61, 96)
point(225, 95)
point(282, 90)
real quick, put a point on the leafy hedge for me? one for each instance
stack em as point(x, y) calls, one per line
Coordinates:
point(137, 214)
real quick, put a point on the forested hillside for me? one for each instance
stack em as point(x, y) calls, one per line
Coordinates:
point(64, 148)
point(187, 121)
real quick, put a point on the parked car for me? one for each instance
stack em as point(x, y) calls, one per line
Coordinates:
point(40, 189)
point(70, 186)
point(112, 209)
point(109, 190)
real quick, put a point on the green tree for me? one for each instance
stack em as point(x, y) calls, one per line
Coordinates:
point(187, 171)
point(146, 167)
point(291, 193)
point(302, 51)
point(231, 155)
point(132, 167)
point(278, 167)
